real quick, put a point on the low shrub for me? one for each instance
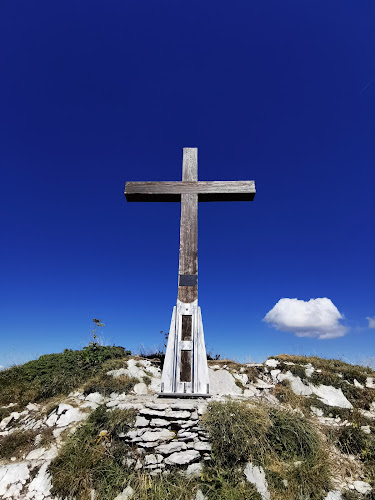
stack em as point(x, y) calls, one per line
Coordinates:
point(106, 384)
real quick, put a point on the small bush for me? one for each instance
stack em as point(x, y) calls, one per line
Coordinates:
point(353, 441)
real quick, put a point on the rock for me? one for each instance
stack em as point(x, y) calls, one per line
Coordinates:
point(32, 407)
point(95, 397)
point(152, 413)
point(63, 407)
point(370, 384)
point(200, 446)
point(52, 419)
point(357, 384)
point(178, 414)
point(362, 487)
point(140, 388)
point(15, 475)
point(222, 382)
point(159, 422)
point(261, 384)
point(71, 415)
point(274, 374)
point(333, 495)
point(257, 477)
point(162, 435)
point(182, 457)
point(331, 396)
point(317, 411)
point(189, 406)
point(41, 484)
point(36, 454)
point(366, 429)
point(272, 362)
point(309, 370)
point(5, 422)
point(141, 422)
point(250, 392)
point(167, 449)
point(200, 496)
point(193, 470)
point(153, 459)
point(243, 378)
point(127, 493)
point(296, 384)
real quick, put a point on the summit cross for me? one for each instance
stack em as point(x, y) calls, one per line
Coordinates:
point(185, 369)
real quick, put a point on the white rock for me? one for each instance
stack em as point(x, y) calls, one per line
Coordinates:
point(141, 422)
point(11, 474)
point(159, 422)
point(32, 407)
point(201, 446)
point(5, 422)
point(127, 493)
point(52, 419)
point(153, 459)
point(333, 495)
point(182, 457)
point(331, 396)
point(200, 496)
point(362, 487)
point(63, 407)
point(178, 414)
point(256, 476)
point(317, 411)
point(222, 382)
point(72, 415)
point(140, 388)
point(95, 397)
point(309, 370)
point(40, 486)
point(272, 362)
point(36, 454)
point(167, 449)
point(366, 429)
point(152, 413)
point(274, 374)
point(261, 384)
point(296, 384)
point(243, 378)
point(193, 470)
point(251, 391)
point(357, 384)
point(370, 384)
point(162, 435)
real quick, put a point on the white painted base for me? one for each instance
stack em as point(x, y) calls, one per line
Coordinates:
point(170, 379)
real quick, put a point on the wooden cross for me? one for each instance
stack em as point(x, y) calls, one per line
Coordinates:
point(189, 192)
point(185, 367)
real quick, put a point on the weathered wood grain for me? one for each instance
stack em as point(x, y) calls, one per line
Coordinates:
point(171, 191)
point(188, 260)
point(186, 326)
point(185, 367)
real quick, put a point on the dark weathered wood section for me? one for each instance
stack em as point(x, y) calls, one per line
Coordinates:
point(206, 190)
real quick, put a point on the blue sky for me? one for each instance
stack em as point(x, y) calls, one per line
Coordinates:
point(94, 94)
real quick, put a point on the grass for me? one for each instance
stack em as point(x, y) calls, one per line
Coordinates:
point(274, 439)
point(54, 374)
point(92, 457)
point(106, 384)
point(21, 442)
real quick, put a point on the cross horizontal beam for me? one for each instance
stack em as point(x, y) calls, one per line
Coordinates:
point(206, 190)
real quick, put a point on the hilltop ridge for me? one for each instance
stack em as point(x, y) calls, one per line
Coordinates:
point(88, 424)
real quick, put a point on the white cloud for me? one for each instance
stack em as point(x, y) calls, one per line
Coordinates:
point(371, 322)
point(313, 318)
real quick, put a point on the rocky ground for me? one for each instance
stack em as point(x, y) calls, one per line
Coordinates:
point(168, 433)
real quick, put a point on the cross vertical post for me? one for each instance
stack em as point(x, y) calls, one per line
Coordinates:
point(185, 371)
